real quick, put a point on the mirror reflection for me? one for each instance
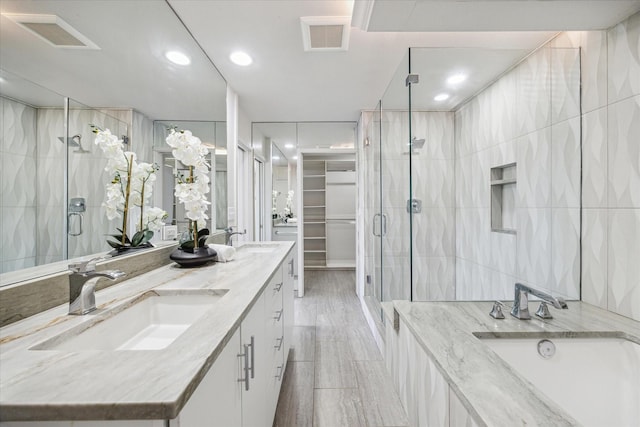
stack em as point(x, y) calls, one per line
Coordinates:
point(53, 178)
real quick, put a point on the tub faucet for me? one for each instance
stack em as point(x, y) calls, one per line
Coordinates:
point(230, 233)
point(520, 307)
point(82, 285)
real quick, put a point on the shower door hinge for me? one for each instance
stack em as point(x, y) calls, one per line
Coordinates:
point(412, 79)
point(414, 206)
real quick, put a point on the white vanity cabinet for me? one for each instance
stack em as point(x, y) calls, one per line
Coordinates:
point(423, 390)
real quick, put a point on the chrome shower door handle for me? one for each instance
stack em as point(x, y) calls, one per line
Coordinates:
point(69, 232)
point(374, 224)
point(384, 225)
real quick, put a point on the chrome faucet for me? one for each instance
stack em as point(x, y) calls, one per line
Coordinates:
point(230, 232)
point(82, 285)
point(520, 307)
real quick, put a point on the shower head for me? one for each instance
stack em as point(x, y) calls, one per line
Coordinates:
point(414, 146)
point(74, 141)
point(417, 144)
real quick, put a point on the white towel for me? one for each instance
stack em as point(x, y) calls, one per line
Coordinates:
point(224, 253)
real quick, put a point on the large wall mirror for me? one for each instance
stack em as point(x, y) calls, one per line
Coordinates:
point(52, 173)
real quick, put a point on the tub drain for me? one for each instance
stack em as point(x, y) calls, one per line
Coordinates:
point(546, 349)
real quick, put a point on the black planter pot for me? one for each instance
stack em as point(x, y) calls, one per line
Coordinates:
point(193, 257)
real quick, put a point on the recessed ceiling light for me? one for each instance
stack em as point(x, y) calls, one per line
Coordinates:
point(457, 78)
point(275, 157)
point(178, 58)
point(295, 157)
point(441, 97)
point(289, 146)
point(240, 58)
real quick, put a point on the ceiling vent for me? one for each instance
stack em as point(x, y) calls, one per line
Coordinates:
point(53, 30)
point(325, 33)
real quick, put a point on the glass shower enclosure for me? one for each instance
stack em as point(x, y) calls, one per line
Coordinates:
point(472, 179)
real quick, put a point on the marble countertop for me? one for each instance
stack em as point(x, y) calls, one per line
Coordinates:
point(153, 384)
point(494, 393)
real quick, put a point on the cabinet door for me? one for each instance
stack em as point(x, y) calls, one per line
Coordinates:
point(217, 400)
point(288, 276)
point(252, 334)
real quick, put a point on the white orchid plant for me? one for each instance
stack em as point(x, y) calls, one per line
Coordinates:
point(288, 209)
point(191, 190)
point(131, 186)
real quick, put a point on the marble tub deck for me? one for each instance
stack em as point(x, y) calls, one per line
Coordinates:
point(491, 391)
point(154, 384)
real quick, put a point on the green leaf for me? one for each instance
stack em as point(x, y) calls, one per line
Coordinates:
point(203, 232)
point(189, 244)
point(137, 238)
point(114, 244)
point(147, 235)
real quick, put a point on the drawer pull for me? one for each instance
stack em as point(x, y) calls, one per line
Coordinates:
point(280, 341)
point(280, 372)
point(279, 315)
point(245, 356)
point(278, 286)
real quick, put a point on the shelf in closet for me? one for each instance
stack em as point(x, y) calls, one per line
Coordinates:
point(314, 176)
point(318, 189)
point(315, 238)
point(311, 251)
point(503, 181)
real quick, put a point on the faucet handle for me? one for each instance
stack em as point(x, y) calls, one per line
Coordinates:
point(543, 311)
point(496, 311)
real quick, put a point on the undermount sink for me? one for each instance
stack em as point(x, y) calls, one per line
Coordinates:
point(152, 321)
point(259, 248)
point(604, 371)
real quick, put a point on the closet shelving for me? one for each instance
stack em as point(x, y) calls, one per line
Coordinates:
point(314, 205)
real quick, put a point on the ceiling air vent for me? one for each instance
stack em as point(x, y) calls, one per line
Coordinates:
point(53, 30)
point(325, 33)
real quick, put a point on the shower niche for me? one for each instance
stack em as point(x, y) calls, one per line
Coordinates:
point(503, 196)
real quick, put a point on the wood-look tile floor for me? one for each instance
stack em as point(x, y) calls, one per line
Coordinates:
point(335, 376)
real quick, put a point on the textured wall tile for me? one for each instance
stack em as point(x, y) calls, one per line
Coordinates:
point(593, 70)
point(440, 135)
point(503, 252)
point(565, 163)
point(18, 128)
point(624, 59)
point(594, 159)
point(463, 174)
point(624, 153)
point(623, 265)
point(433, 278)
point(395, 182)
point(534, 169)
point(18, 180)
point(432, 182)
point(396, 240)
point(534, 246)
point(565, 252)
point(594, 257)
point(18, 233)
point(478, 179)
point(533, 103)
point(396, 278)
point(565, 84)
point(433, 232)
point(50, 128)
point(395, 135)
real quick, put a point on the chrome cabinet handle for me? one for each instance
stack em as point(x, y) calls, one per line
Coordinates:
point(253, 357)
point(384, 225)
point(280, 372)
point(245, 355)
point(280, 341)
point(279, 316)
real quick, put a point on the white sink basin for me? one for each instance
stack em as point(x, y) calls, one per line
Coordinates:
point(152, 322)
point(596, 380)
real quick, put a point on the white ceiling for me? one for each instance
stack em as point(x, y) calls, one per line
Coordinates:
point(284, 83)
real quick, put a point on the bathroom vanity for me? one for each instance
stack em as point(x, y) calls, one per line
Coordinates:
point(191, 347)
point(454, 365)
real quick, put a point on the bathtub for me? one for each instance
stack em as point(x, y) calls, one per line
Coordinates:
point(596, 380)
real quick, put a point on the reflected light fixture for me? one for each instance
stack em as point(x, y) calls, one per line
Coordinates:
point(275, 157)
point(290, 146)
point(456, 78)
point(441, 97)
point(295, 157)
point(178, 58)
point(240, 58)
